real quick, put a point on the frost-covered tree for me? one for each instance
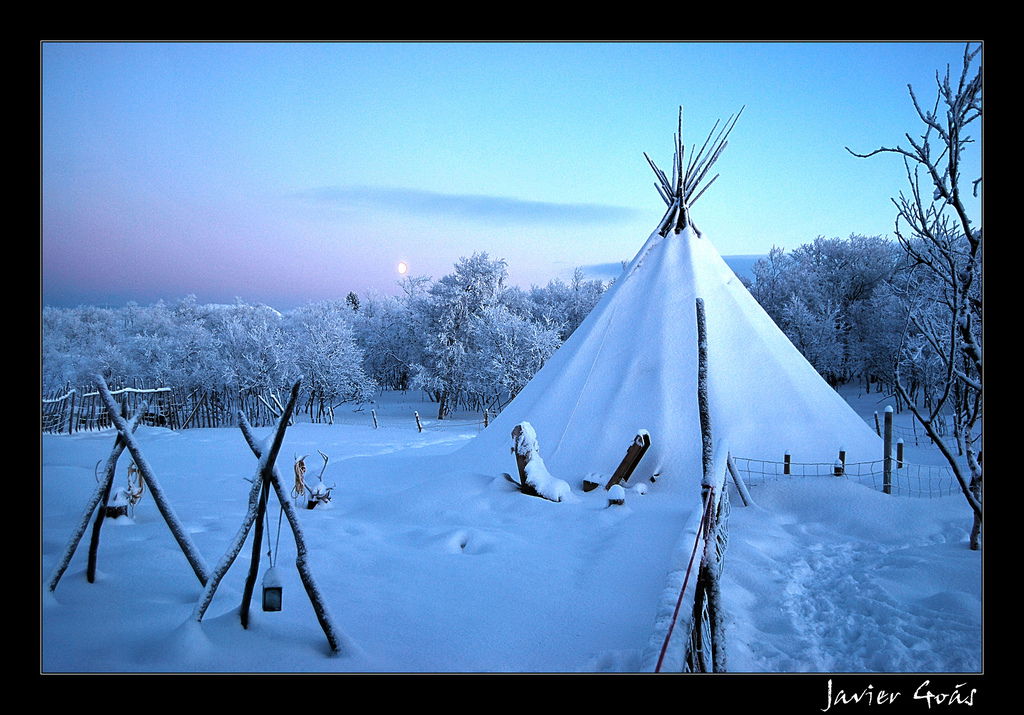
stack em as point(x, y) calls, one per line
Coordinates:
point(80, 342)
point(196, 348)
point(445, 314)
point(936, 230)
point(507, 351)
point(387, 331)
point(774, 282)
point(322, 347)
point(565, 305)
point(818, 295)
point(815, 333)
point(252, 353)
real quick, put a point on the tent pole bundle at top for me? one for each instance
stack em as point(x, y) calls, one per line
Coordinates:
point(687, 186)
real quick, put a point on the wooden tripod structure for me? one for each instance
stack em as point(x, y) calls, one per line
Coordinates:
point(267, 477)
point(125, 440)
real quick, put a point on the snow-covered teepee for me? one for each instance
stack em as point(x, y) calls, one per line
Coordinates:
point(632, 365)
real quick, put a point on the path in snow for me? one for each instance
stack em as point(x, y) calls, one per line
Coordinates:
point(835, 592)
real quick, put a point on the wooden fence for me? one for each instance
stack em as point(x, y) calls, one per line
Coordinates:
point(74, 410)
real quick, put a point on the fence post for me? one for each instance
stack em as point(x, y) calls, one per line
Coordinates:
point(842, 457)
point(373, 413)
point(419, 425)
point(785, 463)
point(878, 430)
point(487, 417)
point(887, 446)
point(71, 414)
point(899, 453)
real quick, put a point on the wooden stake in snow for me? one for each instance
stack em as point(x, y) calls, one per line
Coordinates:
point(887, 446)
point(616, 495)
point(419, 425)
point(534, 478)
point(373, 413)
point(522, 448)
point(634, 454)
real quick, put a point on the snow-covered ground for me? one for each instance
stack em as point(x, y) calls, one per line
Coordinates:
point(429, 565)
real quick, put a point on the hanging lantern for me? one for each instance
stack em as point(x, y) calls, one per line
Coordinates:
point(271, 590)
point(118, 506)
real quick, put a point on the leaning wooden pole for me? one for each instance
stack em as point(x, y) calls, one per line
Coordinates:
point(236, 545)
point(301, 563)
point(102, 488)
point(101, 512)
point(703, 405)
point(708, 575)
point(254, 560)
point(178, 530)
point(741, 486)
point(263, 475)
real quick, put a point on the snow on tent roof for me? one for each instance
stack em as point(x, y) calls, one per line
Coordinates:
point(632, 365)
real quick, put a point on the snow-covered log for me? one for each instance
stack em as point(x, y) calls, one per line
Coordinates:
point(534, 477)
point(741, 486)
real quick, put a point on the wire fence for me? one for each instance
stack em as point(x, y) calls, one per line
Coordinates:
point(906, 479)
point(916, 434)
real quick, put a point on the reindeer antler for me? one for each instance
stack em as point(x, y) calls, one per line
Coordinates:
point(324, 469)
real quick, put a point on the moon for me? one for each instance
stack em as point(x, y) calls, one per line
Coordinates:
point(403, 267)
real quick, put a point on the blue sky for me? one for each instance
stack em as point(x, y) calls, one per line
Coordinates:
point(285, 173)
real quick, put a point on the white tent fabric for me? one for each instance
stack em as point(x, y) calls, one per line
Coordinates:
point(632, 365)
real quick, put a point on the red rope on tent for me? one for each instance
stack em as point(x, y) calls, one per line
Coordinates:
point(705, 517)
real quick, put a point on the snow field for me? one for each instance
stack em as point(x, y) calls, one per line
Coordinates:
point(430, 564)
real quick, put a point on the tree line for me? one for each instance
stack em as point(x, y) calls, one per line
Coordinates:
point(468, 340)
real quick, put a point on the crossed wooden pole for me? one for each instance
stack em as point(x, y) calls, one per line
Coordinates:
point(126, 440)
point(267, 476)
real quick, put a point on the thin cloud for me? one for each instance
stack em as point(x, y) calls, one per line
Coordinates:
point(499, 210)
